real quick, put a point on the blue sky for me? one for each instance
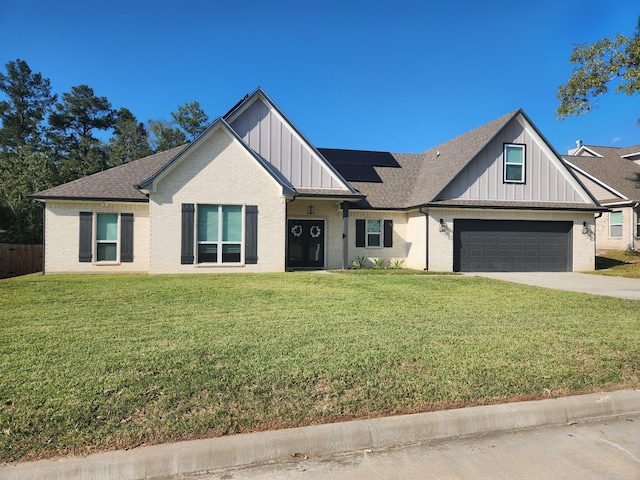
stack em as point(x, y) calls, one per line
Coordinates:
point(399, 76)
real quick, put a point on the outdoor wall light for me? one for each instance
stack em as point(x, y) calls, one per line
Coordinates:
point(585, 228)
point(311, 210)
point(443, 226)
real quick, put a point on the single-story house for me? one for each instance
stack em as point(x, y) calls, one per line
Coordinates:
point(612, 175)
point(253, 194)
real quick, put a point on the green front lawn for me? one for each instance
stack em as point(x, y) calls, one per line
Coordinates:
point(618, 263)
point(90, 363)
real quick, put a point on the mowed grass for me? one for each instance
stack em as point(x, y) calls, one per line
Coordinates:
point(618, 263)
point(91, 363)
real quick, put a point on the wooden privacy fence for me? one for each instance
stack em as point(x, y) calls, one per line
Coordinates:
point(18, 260)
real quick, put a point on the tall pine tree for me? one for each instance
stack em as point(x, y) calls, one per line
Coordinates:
point(25, 162)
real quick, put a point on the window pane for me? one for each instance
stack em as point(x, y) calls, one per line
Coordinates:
point(231, 224)
point(107, 226)
point(514, 173)
point(106, 252)
point(616, 230)
point(373, 239)
point(207, 253)
point(514, 154)
point(207, 223)
point(615, 218)
point(373, 226)
point(230, 253)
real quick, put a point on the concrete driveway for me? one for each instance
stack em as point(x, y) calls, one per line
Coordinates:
point(619, 287)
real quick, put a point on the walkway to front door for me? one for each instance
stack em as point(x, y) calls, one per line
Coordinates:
point(306, 244)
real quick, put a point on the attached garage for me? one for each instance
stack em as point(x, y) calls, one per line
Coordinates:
point(512, 246)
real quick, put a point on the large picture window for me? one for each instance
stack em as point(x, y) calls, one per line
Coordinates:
point(615, 224)
point(514, 163)
point(107, 237)
point(219, 233)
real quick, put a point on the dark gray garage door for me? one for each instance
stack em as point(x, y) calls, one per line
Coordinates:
point(511, 246)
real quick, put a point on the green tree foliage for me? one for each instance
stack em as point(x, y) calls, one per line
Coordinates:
point(188, 123)
point(164, 135)
point(130, 139)
point(74, 123)
point(25, 164)
point(601, 64)
point(22, 173)
point(191, 119)
point(28, 102)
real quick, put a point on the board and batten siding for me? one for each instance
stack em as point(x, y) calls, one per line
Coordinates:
point(265, 131)
point(546, 179)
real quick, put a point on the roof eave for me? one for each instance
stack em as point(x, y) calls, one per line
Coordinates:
point(594, 208)
point(40, 198)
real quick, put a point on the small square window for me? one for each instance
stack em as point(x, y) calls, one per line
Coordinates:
point(615, 224)
point(514, 163)
point(374, 233)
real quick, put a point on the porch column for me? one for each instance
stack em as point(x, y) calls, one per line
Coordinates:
point(345, 235)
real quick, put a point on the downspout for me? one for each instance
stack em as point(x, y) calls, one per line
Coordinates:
point(632, 236)
point(286, 231)
point(44, 212)
point(426, 236)
point(595, 228)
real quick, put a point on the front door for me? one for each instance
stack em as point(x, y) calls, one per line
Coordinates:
point(306, 243)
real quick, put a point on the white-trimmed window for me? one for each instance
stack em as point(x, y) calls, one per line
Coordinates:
point(615, 224)
point(219, 234)
point(374, 233)
point(638, 223)
point(106, 237)
point(514, 163)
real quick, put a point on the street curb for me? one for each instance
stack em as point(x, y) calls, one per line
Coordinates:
point(252, 448)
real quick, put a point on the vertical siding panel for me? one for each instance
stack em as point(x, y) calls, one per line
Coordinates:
point(265, 130)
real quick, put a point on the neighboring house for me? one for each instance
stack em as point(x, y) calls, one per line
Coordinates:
point(613, 177)
point(252, 194)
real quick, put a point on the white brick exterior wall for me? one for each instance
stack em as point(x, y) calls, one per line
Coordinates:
point(401, 245)
point(604, 240)
point(62, 233)
point(218, 171)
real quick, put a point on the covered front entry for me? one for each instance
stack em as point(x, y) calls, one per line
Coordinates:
point(512, 246)
point(305, 244)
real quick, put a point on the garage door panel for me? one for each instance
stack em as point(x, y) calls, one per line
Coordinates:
point(509, 245)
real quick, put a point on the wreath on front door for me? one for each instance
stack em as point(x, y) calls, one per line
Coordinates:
point(296, 230)
point(315, 231)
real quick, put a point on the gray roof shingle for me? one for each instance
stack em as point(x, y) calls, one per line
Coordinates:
point(117, 183)
point(619, 173)
point(397, 180)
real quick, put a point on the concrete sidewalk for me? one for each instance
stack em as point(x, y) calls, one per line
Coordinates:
point(619, 287)
point(259, 448)
point(605, 449)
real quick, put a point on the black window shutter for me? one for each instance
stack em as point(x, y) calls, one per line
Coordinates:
point(388, 233)
point(126, 237)
point(86, 236)
point(251, 238)
point(186, 252)
point(360, 233)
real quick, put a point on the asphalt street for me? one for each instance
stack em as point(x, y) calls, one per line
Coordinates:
point(608, 449)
